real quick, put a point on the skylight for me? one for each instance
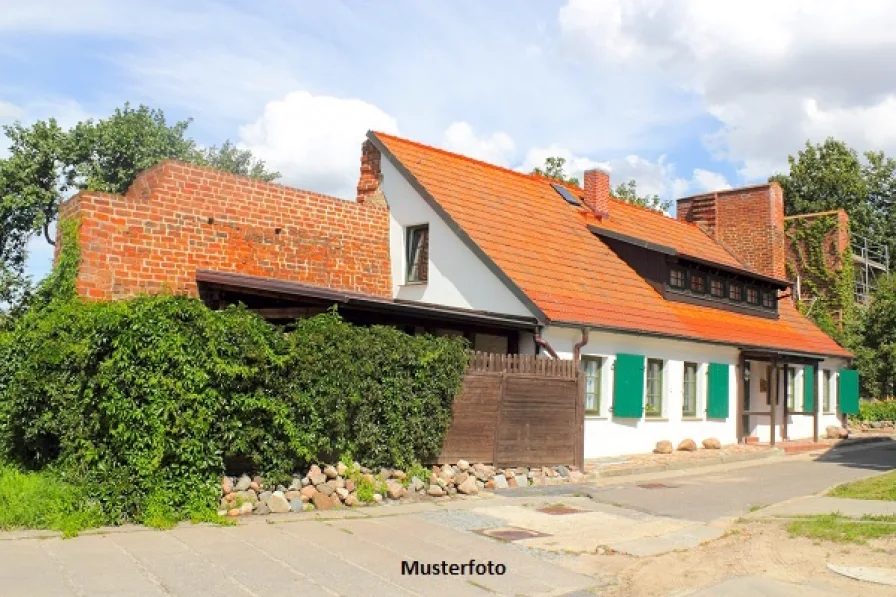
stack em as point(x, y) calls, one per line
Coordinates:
point(564, 192)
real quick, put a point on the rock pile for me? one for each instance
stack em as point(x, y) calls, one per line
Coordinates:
point(336, 486)
point(686, 445)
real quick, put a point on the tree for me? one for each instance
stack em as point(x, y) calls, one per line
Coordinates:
point(554, 168)
point(628, 192)
point(239, 161)
point(831, 175)
point(875, 345)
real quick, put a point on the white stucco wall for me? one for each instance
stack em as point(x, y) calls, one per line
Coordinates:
point(457, 278)
point(606, 435)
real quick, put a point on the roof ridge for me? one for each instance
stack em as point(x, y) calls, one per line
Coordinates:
point(466, 158)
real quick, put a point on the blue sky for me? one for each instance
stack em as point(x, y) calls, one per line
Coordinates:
point(684, 96)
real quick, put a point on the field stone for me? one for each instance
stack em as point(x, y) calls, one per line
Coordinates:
point(278, 503)
point(248, 495)
point(325, 488)
point(265, 496)
point(394, 490)
point(562, 471)
point(226, 485)
point(468, 486)
point(261, 509)
point(452, 490)
point(322, 502)
point(500, 481)
point(254, 486)
point(314, 470)
point(663, 447)
point(436, 490)
point(416, 484)
point(233, 512)
point(330, 472)
point(342, 492)
point(307, 493)
point(687, 445)
point(341, 469)
point(243, 483)
point(351, 500)
point(576, 476)
point(712, 443)
point(461, 478)
point(377, 497)
point(399, 474)
point(350, 485)
point(296, 505)
point(293, 495)
point(522, 480)
point(511, 481)
point(317, 479)
point(832, 432)
point(463, 465)
point(246, 508)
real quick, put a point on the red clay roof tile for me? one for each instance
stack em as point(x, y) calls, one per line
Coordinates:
point(544, 246)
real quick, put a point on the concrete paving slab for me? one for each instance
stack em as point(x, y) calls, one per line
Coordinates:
point(78, 559)
point(685, 538)
point(26, 571)
point(754, 586)
point(881, 576)
point(826, 505)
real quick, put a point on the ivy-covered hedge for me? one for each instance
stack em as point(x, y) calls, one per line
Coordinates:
point(146, 402)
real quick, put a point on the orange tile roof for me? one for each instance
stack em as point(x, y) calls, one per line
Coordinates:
point(543, 245)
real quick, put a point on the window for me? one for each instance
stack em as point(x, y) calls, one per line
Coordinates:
point(698, 282)
point(752, 295)
point(826, 391)
point(592, 367)
point(676, 277)
point(654, 407)
point(717, 288)
point(418, 254)
point(735, 291)
point(768, 299)
point(791, 389)
point(689, 404)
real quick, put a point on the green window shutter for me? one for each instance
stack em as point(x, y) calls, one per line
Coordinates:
point(848, 395)
point(628, 386)
point(718, 393)
point(809, 389)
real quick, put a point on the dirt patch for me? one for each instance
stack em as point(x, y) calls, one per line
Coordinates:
point(754, 548)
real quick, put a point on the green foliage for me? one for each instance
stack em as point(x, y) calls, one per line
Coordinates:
point(876, 344)
point(840, 529)
point(832, 288)
point(146, 401)
point(238, 161)
point(876, 410)
point(554, 167)
point(628, 192)
point(879, 487)
point(39, 500)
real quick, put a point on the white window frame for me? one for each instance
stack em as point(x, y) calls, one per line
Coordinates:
point(663, 383)
point(408, 231)
point(828, 400)
point(698, 369)
point(599, 387)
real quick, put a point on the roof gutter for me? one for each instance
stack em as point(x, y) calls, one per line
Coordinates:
point(546, 345)
point(577, 348)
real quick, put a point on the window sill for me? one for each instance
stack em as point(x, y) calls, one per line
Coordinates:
point(423, 283)
point(657, 419)
point(692, 418)
point(596, 417)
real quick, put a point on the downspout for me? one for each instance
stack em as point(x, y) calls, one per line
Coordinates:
point(577, 348)
point(544, 344)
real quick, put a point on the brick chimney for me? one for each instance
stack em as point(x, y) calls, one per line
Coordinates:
point(371, 177)
point(749, 222)
point(597, 192)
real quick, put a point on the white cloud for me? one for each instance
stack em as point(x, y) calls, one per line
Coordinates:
point(704, 181)
point(772, 73)
point(314, 141)
point(497, 148)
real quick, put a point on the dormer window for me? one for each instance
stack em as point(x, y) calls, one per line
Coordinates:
point(717, 287)
point(735, 292)
point(417, 254)
point(752, 295)
point(697, 282)
point(676, 278)
point(768, 299)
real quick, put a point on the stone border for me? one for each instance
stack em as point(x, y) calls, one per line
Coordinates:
point(686, 464)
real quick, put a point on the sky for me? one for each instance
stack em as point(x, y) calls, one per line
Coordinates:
point(684, 96)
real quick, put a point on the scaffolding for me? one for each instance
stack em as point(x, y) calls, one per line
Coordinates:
point(870, 261)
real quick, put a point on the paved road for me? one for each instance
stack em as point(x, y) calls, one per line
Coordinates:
point(340, 557)
point(711, 496)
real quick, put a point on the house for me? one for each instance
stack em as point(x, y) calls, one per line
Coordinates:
point(685, 328)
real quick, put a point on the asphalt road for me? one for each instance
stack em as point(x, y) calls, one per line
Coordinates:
point(710, 496)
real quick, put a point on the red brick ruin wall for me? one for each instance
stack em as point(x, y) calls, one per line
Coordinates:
point(177, 218)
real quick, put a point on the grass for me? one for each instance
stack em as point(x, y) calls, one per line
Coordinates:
point(840, 529)
point(880, 487)
point(39, 500)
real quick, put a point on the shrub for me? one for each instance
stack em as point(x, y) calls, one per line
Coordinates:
point(144, 402)
point(877, 410)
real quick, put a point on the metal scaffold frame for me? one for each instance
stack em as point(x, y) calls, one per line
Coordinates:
point(870, 260)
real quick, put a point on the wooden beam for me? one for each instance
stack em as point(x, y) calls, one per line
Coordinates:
point(741, 394)
point(815, 406)
point(773, 400)
point(785, 434)
point(580, 419)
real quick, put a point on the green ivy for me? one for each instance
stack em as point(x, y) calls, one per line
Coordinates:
point(832, 288)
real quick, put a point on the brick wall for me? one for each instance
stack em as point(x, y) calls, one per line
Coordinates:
point(749, 222)
point(177, 218)
point(835, 242)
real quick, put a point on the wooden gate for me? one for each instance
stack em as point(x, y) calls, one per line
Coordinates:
point(518, 410)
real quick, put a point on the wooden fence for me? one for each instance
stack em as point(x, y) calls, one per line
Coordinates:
point(518, 410)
